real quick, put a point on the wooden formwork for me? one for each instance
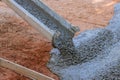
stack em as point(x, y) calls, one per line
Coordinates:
point(23, 70)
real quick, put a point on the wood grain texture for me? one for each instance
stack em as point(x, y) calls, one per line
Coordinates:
point(23, 70)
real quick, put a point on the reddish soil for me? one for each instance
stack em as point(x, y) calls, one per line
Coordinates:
point(20, 43)
point(86, 14)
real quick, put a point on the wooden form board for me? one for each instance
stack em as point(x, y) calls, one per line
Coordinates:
point(23, 70)
point(34, 22)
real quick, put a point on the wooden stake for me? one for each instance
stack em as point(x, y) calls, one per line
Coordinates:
point(23, 70)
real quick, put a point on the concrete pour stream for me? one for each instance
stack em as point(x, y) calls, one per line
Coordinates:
point(63, 37)
point(99, 53)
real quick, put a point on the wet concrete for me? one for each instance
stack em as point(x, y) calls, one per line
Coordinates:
point(62, 40)
point(99, 53)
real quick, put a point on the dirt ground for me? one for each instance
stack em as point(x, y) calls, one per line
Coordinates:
point(20, 43)
point(86, 14)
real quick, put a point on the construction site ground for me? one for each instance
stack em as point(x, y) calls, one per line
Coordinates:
point(22, 44)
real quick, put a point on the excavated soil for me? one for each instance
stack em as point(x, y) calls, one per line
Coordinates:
point(20, 43)
point(86, 14)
